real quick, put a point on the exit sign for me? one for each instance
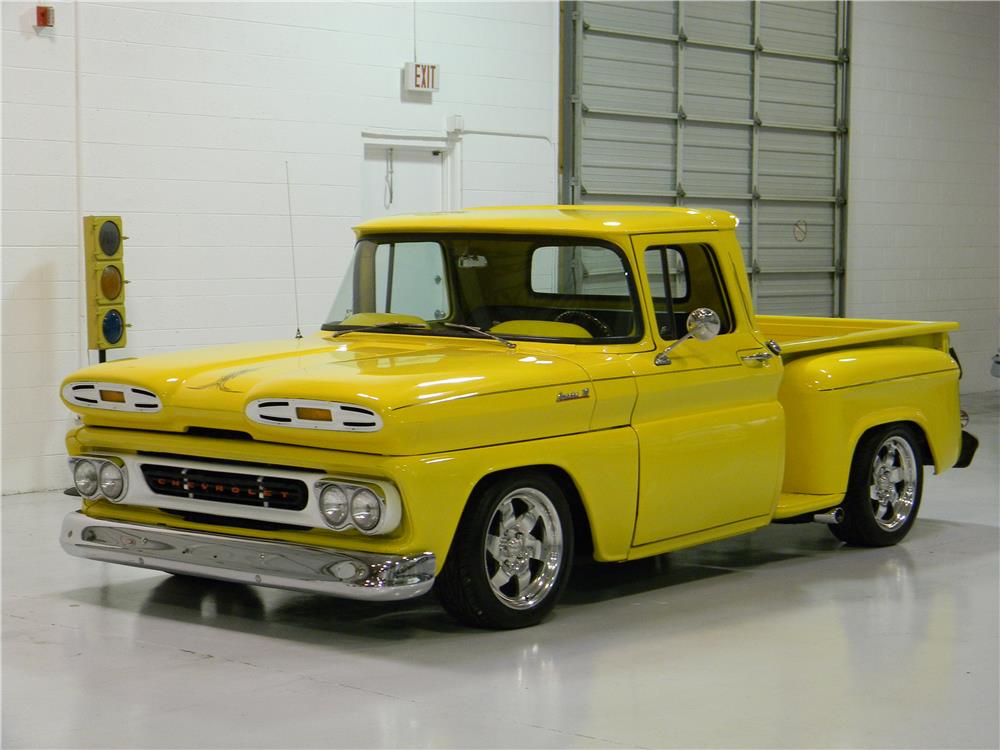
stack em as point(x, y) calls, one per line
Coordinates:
point(422, 76)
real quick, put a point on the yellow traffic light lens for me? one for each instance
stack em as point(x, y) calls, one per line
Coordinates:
point(109, 238)
point(111, 282)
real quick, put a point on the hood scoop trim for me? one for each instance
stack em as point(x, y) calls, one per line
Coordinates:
point(309, 414)
point(113, 396)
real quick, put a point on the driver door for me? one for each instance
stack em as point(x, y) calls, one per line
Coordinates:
point(711, 431)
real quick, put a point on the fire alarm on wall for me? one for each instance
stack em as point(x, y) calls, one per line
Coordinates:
point(45, 16)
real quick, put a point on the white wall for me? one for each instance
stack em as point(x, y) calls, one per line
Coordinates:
point(179, 117)
point(924, 170)
point(187, 113)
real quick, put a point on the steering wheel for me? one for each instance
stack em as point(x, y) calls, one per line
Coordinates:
point(593, 325)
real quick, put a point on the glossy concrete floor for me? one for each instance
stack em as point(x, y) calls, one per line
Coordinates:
point(778, 639)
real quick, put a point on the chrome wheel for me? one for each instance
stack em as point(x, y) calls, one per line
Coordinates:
point(893, 484)
point(883, 491)
point(523, 549)
point(512, 553)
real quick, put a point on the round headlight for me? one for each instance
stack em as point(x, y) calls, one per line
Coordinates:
point(333, 503)
point(85, 478)
point(112, 481)
point(366, 510)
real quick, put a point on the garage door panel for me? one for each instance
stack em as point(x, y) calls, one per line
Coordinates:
point(809, 27)
point(801, 92)
point(795, 294)
point(659, 19)
point(725, 22)
point(718, 83)
point(629, 75)
point(716, 159)
point(621, 156)
point(655, 77)
point(795, 235)
point(796, 164)
point(620, 181)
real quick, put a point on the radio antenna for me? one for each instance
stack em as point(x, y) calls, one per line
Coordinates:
point(291, 237)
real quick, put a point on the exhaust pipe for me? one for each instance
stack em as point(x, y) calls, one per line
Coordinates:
point(831, 517)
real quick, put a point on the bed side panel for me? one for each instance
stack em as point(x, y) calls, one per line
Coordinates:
point(832, 398)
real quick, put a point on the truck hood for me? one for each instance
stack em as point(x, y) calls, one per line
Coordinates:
point(431, 393)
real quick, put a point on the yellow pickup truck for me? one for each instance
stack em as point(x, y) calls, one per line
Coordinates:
point(498, 390)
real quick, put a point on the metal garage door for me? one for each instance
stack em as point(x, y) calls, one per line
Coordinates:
point(733, 105)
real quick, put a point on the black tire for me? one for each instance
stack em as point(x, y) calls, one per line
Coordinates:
point(884, 489)
point(505, 570)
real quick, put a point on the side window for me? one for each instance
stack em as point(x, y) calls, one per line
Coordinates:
point(667, 265)
point(410, 279)
point(692, 277)
point(585, 270)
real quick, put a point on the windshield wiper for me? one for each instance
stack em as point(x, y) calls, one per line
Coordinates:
point(481, 332)
point(383, 326)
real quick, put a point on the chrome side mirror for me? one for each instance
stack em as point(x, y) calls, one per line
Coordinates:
point(703, 324)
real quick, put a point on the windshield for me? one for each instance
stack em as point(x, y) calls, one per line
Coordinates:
point(538, 288)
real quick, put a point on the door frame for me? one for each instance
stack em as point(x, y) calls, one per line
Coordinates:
point(448, 145)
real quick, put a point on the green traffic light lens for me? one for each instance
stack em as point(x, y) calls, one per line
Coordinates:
point(109, 238)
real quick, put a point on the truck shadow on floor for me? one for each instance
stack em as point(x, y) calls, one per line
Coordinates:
point(810, 556)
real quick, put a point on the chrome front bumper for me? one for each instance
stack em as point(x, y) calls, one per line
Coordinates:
point(344, 573)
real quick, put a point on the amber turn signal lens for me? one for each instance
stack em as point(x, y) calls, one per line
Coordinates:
point(111, 282)
point(116, 397)
point(313, 415)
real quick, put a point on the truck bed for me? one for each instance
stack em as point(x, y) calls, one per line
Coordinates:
point(801, 335)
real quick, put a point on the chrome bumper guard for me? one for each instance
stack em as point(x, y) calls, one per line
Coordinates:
point(343, 573)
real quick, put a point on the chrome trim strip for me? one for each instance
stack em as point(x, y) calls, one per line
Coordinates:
point(343, 573)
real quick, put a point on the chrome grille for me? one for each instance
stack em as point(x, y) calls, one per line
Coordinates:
point(226, 487)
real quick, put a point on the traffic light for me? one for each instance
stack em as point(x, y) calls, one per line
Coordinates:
point(104, 245)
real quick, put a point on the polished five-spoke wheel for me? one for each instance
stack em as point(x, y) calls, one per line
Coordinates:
point(511, 554)
point(893, 483)
point(883, 493)
point(523, 550)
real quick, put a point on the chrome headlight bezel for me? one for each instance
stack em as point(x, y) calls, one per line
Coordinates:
point(77, 468)
point(100, 462)
point(338, 523)
point(389, 507)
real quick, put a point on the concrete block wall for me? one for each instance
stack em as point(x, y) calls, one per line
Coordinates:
point(924, 170)
point(180, 117)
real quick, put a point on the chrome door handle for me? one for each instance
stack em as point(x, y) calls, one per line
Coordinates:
point(758, 357)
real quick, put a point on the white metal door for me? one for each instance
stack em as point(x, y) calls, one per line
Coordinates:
point(401, 180)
